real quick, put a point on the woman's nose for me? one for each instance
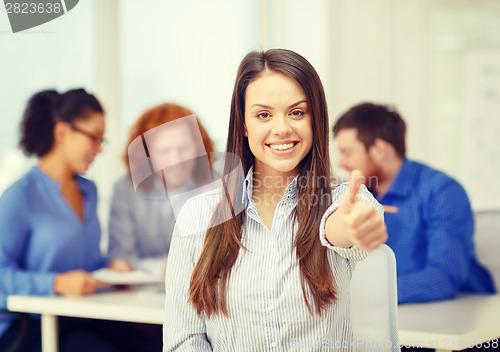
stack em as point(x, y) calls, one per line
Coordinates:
point(282, 126)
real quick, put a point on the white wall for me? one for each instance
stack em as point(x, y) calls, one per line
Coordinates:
point(58, 55)
point(428, 57)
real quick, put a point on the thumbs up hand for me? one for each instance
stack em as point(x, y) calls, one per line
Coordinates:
point(355, 182)
point(355, 222)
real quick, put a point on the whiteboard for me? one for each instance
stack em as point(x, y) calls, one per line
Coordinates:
point(480, 133)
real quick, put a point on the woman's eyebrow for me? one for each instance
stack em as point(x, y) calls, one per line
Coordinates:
point(270, 107)
point(262, 106)
point(297, 103)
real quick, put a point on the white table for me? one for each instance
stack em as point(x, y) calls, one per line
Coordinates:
point(450, 325)
point(145, 305)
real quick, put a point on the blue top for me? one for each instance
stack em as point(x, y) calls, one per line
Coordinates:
point(432, 236)
point(267, 311)
point(41, 235)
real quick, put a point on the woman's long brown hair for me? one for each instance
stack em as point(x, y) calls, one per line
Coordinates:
point(208, 287)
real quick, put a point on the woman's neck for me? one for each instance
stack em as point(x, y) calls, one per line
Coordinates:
point(267, 192)
point(56, 168)
point(270, 184)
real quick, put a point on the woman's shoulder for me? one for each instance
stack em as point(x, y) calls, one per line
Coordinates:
point(23, 184)
point(124, 181)
point(196, 214)
point(20, 191)
point(123, 185)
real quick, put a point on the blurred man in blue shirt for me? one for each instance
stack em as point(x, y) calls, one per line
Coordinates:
point(428, 214)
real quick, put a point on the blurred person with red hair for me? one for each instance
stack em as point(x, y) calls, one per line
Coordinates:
point(172, 140)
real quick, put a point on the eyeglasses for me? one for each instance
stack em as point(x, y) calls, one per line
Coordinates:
point(98, 141)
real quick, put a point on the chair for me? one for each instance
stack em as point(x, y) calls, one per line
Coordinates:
point(25, 322)
point(487, 241)
point(374, 304)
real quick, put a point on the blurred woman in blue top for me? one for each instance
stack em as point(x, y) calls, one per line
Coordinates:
point(49, 228)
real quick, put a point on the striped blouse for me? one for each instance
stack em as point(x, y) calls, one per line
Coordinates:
point(267, 311)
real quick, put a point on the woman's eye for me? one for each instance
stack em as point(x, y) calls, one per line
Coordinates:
point(263, 115)
point(297, 113)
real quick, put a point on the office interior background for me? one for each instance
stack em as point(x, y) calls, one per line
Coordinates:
point(436, 61)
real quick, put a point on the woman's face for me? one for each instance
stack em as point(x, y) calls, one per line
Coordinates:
point(84, 142)
point(174, 150)
point(277, 124)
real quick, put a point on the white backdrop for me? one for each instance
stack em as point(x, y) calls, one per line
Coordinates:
point(424, 56)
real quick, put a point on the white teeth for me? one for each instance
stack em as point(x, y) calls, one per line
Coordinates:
point(282, 146)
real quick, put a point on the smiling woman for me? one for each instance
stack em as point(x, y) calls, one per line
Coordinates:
point(267, 277)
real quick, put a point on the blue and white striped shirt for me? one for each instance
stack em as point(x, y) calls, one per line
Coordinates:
point(267, 311)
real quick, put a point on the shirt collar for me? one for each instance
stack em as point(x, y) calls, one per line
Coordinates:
point(46, 179)
point(402, 184)
point(56, 185)
point(247, 186)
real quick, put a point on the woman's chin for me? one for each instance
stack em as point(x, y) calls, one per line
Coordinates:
point(82, 169)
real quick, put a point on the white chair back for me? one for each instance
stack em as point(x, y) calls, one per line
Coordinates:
point(487, 242)
point(374, 304)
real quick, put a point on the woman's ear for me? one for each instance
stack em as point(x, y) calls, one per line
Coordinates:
point(245, 133)
point(60, 130)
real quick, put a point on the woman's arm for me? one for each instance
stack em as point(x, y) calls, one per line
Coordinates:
point(15, 230)
point(14, 246)
point(183, 328)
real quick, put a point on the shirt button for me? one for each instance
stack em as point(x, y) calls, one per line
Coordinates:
point(272, 243)
point(274, 344)
point(270, 308)
point(270, 271)
point(282, 212)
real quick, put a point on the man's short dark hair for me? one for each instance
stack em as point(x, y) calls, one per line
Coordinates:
point(373, 121)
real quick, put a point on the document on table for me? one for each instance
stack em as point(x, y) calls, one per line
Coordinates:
point(135, 277)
